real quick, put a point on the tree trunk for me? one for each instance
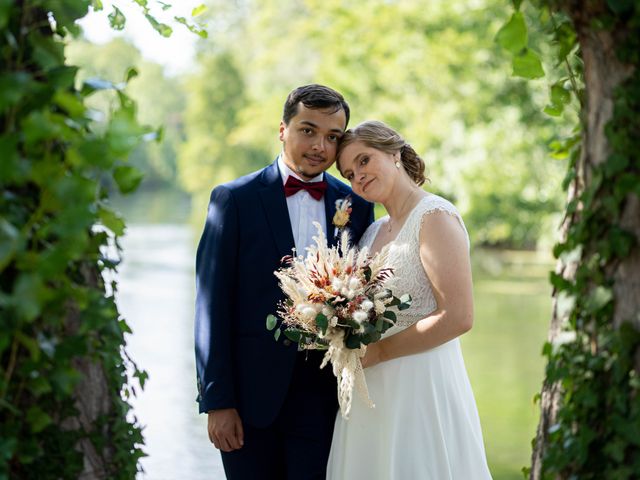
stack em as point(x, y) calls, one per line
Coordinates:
point(603, 73)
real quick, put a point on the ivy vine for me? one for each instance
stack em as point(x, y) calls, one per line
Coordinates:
point(60, 328)
point(597, 430)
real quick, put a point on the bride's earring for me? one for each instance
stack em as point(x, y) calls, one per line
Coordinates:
point(398, 165)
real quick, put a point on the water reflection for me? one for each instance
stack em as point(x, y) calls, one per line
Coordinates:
point(156, 293)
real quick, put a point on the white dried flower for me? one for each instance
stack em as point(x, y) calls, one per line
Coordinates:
point(366, 305)
point(354, 283)
point(360, 316)
point(380, 307)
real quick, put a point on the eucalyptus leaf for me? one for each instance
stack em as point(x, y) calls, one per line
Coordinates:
point(293, 335)
point(322, 322)
point(276, 334)
point(272, 321)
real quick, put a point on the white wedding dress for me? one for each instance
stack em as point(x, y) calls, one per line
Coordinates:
point(425, 424)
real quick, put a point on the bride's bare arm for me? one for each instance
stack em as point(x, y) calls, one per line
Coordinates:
point(445, 257)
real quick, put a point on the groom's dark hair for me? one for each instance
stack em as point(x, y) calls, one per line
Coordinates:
point(316, 97)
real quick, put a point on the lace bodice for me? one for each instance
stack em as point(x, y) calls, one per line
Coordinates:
point(404, 257)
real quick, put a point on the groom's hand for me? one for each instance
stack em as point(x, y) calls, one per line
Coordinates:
point(225, 429)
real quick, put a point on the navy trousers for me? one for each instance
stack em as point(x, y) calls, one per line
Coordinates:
point(296, 446)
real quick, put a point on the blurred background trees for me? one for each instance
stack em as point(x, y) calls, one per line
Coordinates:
point(432, 70)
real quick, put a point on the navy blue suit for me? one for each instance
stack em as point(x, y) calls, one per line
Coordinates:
point(281, 394)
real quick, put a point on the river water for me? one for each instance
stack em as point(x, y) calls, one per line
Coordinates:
point(156, 296)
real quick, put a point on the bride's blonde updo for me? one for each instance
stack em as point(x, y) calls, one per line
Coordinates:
point(378, 135)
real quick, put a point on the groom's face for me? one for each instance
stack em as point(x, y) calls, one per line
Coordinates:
point(310, 140)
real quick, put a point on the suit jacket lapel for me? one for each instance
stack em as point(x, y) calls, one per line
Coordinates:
point(331, 195)
point(275, 207)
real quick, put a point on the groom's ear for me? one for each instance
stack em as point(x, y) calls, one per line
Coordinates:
point(282, 127)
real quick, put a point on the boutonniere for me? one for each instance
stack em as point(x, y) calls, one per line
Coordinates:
point(343, 214)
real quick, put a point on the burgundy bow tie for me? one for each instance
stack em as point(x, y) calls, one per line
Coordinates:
point(315, 189)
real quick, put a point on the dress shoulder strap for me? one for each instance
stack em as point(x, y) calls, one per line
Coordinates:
point(429, 205)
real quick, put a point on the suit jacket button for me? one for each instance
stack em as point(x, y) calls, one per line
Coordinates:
point(286, 342)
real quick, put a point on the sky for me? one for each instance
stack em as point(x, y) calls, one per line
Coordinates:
point(176, 53)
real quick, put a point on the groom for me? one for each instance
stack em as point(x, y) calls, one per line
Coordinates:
point(270, 408)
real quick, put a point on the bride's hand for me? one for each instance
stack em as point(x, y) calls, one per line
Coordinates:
point(371, 356)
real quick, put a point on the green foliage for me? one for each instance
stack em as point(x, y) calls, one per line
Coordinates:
point(57, 315)
point(431, 70)
point(598, 423)
point(160, 100)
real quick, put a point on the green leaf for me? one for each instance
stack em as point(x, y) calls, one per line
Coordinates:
point(352, 342)
point(621, 6)
point(272, 321)
point(69, 102)
point(97, 5)
point(128, 178)
point(390, 315)
point(112, 221)
point(600, 297)
point(527, 65)
point(13, 87)
point(91, 85)
point(322, 322)
point(293, 334)
point(132, 72)
point(165, 6)
point(615, 163)
point(38, 419)
point(9, 241)
point(513, 34)
point(276, 334)
point(117, 20)
point(163, 29)
point(198, 10)
point(193, 28)
point(559, 94)
point(5, 8)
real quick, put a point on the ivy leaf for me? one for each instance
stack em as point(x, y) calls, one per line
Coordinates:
point(513, 34)
point(5, 8)
point(112, 221)
point(9, 241)
point(527, 65)
point(117, 20)
point(128, 178)
point(598, 299)
point(38, 419)
point(272, 321)
point(620, 6)
point(13, 87)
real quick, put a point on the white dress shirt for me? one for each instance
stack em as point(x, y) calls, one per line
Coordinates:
point(303, 211)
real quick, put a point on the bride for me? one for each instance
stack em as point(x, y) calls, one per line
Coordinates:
point(425, 423)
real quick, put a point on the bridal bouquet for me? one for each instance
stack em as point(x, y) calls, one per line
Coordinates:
point(336, 300)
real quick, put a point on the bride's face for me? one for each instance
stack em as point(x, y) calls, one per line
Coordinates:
point(371, 172)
